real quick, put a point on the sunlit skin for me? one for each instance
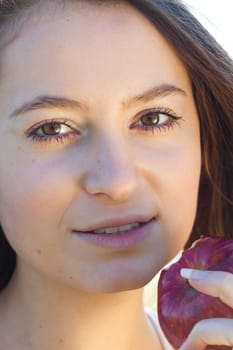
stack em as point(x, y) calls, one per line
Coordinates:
point(103, 166)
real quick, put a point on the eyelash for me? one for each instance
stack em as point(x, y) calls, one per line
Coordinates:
point(33, 132)
point(173, 119)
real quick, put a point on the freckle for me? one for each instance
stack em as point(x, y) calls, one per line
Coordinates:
point(61, 341)
point(38, 251)
point(70, 277)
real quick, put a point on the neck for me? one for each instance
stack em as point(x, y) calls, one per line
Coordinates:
point(60, 317)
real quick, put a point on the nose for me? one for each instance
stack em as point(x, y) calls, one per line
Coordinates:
point(112, 171)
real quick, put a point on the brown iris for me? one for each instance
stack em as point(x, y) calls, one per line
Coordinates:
point(51, 129)
point(150, 119)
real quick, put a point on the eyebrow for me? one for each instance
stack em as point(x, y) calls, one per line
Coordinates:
point(50, 102)
point(155, 92)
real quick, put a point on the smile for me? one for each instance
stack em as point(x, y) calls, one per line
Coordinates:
point(119, 237)
point(119, 229)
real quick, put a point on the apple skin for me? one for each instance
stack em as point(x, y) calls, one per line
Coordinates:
point(180, 306)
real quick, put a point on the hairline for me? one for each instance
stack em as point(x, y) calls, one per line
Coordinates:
point(14, 25)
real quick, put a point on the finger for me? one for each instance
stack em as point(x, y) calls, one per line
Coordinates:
point(215, 283)
point(214, 331)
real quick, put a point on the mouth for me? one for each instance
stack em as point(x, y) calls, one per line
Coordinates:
point(119, 237)
point(122, 236)
point(113, 227)
point(118, 229)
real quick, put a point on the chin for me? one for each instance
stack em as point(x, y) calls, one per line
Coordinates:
point(115, 274)
point(123, 282)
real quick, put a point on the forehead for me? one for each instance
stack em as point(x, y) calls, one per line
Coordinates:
point(85, 41)
point(40, 12)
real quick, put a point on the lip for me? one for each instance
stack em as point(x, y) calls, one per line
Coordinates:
point(118, 241)
point(115, 223)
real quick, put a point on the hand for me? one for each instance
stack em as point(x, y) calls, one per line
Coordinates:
point(215, 331)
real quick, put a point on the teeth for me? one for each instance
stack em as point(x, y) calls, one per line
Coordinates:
point(119, 229)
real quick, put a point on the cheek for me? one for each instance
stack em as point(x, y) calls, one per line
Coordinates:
point(173, 170)
point(180, 192)
point(32, 208)
point(173, 174)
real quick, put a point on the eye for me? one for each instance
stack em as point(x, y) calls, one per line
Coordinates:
point(156, 119)
point(50, 130)
point(153, 118)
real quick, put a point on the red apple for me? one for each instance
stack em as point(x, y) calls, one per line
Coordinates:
point(179, 305)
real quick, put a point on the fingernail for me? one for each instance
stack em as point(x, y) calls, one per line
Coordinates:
point(193, 274)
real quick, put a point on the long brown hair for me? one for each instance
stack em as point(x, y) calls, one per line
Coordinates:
point(211, 72)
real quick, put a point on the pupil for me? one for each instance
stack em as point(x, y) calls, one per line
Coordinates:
point(150, 119)
point(51, 129)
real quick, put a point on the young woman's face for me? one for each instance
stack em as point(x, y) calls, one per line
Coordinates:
point(98, 129)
